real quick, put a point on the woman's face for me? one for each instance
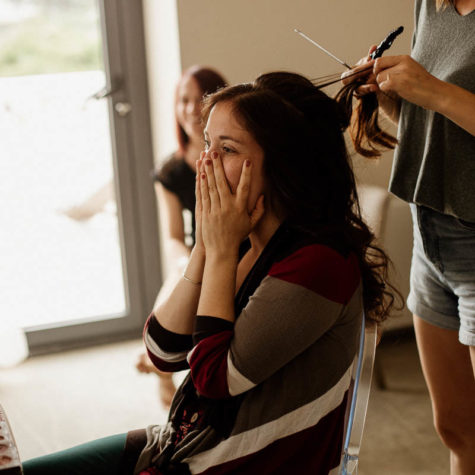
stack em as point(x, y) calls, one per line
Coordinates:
point(188, 107)
point(225, 135)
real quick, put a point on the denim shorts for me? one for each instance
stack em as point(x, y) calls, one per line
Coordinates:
point(443, 272)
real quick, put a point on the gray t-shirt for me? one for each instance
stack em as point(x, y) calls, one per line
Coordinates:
point(434, 163)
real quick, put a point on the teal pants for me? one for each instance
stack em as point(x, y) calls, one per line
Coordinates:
point(99, 457)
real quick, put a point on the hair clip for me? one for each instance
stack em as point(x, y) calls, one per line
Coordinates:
point(386, 43)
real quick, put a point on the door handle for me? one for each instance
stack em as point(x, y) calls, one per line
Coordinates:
point(122, 108)
point(107, 91)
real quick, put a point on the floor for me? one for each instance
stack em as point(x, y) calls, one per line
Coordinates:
point(60, 400)
point(399, 437)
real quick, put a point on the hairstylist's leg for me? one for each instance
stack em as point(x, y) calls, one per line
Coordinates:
point(448, 371)
point(99, 457)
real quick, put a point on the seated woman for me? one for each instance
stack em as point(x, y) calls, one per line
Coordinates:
point(268, 313)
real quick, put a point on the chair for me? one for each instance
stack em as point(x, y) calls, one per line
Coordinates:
point(356, 415)
point(390, 220)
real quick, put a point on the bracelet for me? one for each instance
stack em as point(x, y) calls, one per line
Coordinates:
point(190, 280)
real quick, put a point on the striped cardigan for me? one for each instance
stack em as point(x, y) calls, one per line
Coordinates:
point(266, 394)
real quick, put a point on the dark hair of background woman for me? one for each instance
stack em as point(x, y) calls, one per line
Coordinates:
point(312, 185)
point(208, 81)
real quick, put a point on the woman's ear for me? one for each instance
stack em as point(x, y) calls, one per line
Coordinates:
point(258, 211)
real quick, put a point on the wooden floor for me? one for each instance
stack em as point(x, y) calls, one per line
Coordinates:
point(56, 401)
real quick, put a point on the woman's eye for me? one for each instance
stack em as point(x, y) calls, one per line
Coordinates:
point(227, 149)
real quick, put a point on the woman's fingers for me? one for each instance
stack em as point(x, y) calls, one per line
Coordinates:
point(220, 177)
point(198, 187)
point(372, 49)
point(211, 183)
point(204, 192)
point(242, 191)
point(361, 71)
point(404, 76)
point(366, 89)
point(386, 62)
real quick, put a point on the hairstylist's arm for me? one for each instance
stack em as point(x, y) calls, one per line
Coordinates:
point(178, 311)
point(405, 77)
point(389, 103)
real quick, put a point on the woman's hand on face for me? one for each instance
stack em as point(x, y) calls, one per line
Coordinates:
point(199, 246)
point(225, 220)
point(405, 77)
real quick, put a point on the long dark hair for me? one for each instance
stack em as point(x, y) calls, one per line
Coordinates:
point(311, 182)
point(208, 81)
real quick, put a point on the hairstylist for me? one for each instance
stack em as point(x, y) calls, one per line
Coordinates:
point(431, 94)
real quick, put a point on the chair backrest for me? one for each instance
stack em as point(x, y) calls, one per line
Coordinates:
point(362, 376)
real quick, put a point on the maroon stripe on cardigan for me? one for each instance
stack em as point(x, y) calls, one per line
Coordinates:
point(208, 363)
point(151, 471)
point(321, 269)
point(315, 450)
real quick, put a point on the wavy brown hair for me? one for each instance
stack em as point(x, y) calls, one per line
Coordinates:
point(308, 171)
point(367, 136)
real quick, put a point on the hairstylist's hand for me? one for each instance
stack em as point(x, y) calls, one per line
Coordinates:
point(405, 77)
point(389, 101)
point(225, 220)
point(362, 71)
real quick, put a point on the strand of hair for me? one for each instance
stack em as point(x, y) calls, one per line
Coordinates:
point(319, 85)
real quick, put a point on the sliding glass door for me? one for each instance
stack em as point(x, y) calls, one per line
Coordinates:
point(79, 254)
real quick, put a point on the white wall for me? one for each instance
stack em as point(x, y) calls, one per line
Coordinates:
point(164, 66)
point(243, 38)
point(247, 37)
